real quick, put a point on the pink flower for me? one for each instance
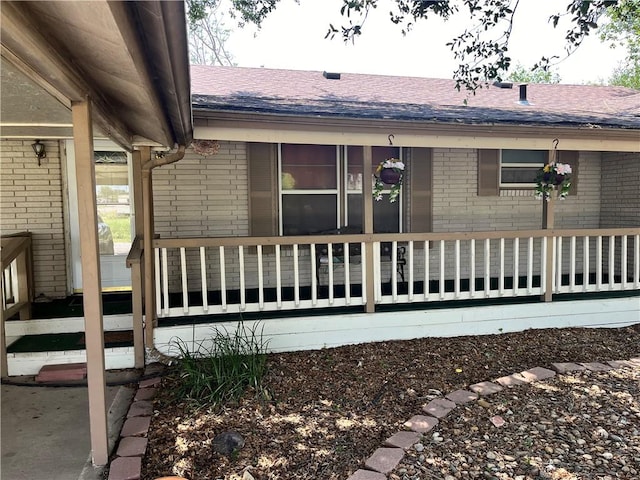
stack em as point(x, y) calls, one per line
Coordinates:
point(563, 168)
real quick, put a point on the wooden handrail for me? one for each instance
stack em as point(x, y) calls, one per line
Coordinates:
point(190, 242)
point(15, 248)
point(13, 245)
point(134, 262)
point(135, 253)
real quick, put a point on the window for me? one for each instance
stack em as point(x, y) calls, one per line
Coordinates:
point(508, 169)
point(518, 168)
point(321, 189)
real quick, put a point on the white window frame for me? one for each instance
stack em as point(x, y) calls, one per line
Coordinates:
point(504, 185)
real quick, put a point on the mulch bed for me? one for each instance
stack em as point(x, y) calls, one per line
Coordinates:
point(328, 410)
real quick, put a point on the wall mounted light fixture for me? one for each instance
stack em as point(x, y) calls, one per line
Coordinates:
point(39, 150)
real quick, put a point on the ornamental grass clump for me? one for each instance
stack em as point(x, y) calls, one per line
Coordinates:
point(222, 367)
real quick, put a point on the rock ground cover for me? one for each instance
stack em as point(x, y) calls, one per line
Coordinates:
point(327, 411)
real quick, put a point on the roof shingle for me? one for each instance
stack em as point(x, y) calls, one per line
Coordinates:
point(309, 93)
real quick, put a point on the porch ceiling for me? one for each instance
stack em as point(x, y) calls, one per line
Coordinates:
point(130, 58)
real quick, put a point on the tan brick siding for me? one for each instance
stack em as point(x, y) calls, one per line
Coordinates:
point(458, 208)
point(31, 199)
point(203, 196)
point(620, 182)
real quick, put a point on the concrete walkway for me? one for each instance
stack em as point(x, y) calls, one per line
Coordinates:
point(45, 431)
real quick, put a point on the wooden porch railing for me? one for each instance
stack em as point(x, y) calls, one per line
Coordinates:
point(16, 284)
point(253, 274)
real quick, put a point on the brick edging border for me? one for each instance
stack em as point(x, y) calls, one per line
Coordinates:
point(386, 458)
point(132, 445)
point(134, 435)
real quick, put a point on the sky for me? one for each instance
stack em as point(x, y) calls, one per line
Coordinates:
point(293, 37)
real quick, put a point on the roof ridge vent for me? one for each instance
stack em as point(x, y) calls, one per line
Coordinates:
point(503, 84)
point(331, 75)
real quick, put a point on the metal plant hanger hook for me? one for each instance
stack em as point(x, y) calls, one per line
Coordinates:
point(391, 137)
point(554, 152)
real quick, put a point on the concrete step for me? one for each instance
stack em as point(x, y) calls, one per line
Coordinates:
point(62, 372)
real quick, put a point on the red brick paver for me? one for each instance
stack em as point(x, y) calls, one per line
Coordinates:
point(384, 460)
point(485, 388)
point(439, 407)
point(461, 397)
point(125, 468)
point(135, 426)
point(565, 367)
point(367, 475)
point(150, 382)
point(144, 394)
point(132, 447)
point(402, 439)
point(421, 423)
point(621, 363)
point(511, 380)
point(537, 373)
point(596, 367)
point(142, 408)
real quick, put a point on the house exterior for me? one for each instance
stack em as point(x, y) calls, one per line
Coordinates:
point(270, 213)
point(247, 217)
point(268, 216)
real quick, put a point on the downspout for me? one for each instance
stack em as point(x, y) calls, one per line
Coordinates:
point(149, 276)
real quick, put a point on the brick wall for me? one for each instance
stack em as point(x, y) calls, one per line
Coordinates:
point(203, 196)
point(457, 207)
point(620, 182)
point(31, 199)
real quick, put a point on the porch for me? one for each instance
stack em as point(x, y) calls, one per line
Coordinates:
point(318, 291)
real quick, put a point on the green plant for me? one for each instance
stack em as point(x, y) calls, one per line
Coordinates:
point(551, 177)
point(397, 167)
point(221, 368)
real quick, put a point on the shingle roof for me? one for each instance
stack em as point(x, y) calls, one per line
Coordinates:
point(309, 93)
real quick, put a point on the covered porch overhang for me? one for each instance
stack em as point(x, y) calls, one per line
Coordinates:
point(85, 70)
point(277, 128)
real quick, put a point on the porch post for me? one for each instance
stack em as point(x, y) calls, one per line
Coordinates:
point(91, 286)
point(137, 283)
point(547, 224)
point(367, 223)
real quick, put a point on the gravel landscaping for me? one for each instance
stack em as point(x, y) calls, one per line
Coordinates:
point(324, 413)
point(580, 425)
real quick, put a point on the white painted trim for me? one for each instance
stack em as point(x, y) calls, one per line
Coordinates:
point(307, 333)
point(31, 363)
point(19, 328)
point(72, 200)
point(535, 139)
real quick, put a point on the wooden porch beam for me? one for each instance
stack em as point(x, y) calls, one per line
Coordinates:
point(271, 128)
point(91, 285)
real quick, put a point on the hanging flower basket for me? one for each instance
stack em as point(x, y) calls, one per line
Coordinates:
point(390, 176)
point(553, 177)
point(388, 173)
